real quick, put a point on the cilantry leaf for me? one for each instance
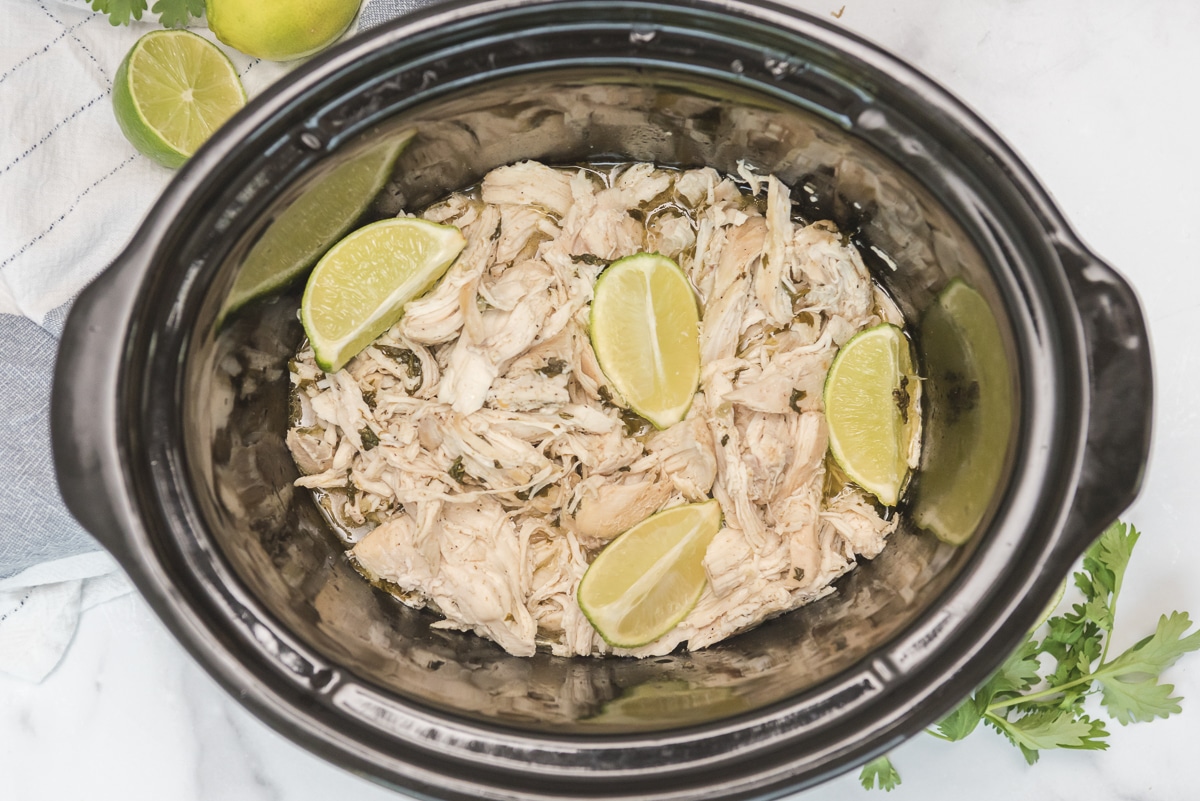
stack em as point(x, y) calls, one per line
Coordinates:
point(1131, 688)
point(880, 773)
point(1139, 700)
point(171, 13)
point(1019, 673)
point(120, 12)
point(1107, 559)
point(178, 13)
point(1036, 698)
point(1052, 728)
point(962, 721)
point(1016, 675)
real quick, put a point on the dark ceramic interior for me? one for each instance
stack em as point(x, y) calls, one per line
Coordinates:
point(280, 548)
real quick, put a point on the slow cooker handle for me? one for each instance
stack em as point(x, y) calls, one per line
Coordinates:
point(83, 413)
point(1120, 386)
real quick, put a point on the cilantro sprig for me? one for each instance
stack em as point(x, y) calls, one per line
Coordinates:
point(1036, 698)
point(171, 13)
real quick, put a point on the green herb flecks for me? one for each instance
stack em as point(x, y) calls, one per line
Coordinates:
point(405, 357)
point(902, 398)
point(1036, 698)
point(554, 366)
point(635, 424)
point(591, 259)
point(369, 438)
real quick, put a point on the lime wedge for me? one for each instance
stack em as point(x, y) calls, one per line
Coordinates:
point(646, 580)
point(172, 91)
point(663, 703)
point(870, 409)
point(315, 220)
point(645, 329)
point(970, 398)
point(359, 288)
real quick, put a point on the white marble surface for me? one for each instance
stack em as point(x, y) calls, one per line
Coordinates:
point(1100, 99)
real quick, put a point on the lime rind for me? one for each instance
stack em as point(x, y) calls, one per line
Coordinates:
point(631, 355)
point(631, 604)
point(379, 286)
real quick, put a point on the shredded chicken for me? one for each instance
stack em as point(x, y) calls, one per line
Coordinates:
point(476, 458)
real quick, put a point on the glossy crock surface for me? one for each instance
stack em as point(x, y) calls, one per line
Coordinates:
point(170, 447)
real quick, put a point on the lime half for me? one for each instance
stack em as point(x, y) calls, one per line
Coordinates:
point(314, 221)
point(646, 580)
point(645, 329)
point(871, 410)
point(359, 288)
point(172, 91)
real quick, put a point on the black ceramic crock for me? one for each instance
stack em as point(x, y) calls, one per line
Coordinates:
point(169, 406)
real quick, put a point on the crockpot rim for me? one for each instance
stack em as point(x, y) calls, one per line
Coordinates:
point(212, 154)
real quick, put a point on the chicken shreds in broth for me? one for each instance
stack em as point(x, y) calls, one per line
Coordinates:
point(477, 459)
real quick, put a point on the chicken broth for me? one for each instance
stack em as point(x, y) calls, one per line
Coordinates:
point(475, 458)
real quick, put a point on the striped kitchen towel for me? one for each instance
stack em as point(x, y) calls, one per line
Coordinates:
point(73, 191)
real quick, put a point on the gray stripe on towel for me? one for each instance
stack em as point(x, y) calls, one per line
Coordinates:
point(35, 526)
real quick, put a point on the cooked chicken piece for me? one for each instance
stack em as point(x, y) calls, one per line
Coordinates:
point(470, 570)
point(686, 453)
point(635, 187)
point(732, 487)
point(605, 233)
point(411, 367)
point(341, 404)
point(726, 304)
point(696, 187)
point(528, 392)
point(598, 453)
point(436, 316)
point(528, 184)
point(854, 517)
point(837, 279)
point(491, 456)
point(766, 451)
point(769, 287)
point(479, 357)
point(670, 234)
point(792, 381)
point(612, 504)
point(521, 230)
point(475, 457)
point(310, 450)
point(754, 181)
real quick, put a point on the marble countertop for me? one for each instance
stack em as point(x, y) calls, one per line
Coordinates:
point(1099, 97)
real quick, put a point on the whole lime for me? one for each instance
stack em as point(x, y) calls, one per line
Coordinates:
point(279, 30)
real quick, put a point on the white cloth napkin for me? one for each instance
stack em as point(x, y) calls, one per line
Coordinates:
point(72, 191)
